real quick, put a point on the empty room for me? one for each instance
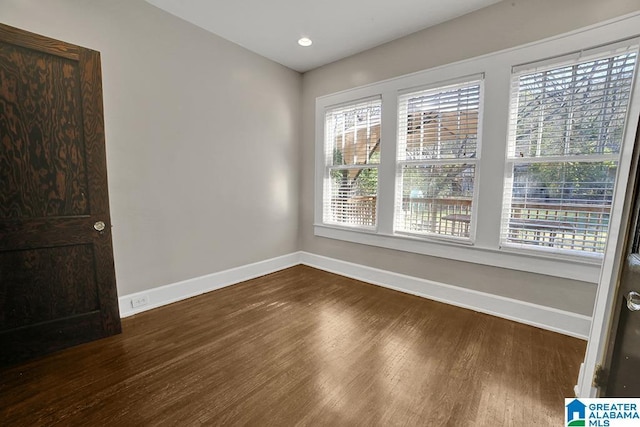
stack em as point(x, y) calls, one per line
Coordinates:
point(378, 213)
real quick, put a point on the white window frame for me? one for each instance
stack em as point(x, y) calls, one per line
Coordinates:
point(496, 67)
point(402, 134)
point(329, 167)
point(608, 50)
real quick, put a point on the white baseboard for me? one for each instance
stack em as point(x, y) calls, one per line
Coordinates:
point(564, 322)
point(168, 294)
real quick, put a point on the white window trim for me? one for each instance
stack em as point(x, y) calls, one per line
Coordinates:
point(497, 71)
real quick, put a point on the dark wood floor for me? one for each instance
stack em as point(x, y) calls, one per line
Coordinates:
point(303, 347)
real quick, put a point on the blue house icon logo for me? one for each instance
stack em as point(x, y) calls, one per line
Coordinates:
point(576, 413)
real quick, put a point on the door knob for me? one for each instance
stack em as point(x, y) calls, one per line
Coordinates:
point(99, 226)
point(633, 301)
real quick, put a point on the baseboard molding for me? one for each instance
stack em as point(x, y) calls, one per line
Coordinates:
point(174, 292)
point(564, 322)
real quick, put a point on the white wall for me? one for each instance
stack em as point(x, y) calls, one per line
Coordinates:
point(503, 25)
point(206, 168)
point(202, 139)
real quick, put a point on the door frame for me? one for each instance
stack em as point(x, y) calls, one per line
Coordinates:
point(604, 315)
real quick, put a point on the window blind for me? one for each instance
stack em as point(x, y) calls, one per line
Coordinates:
point(352, 156)
point(566, 130)
point(436, 160)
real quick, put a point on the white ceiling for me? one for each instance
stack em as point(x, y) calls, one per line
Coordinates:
point(338, 28)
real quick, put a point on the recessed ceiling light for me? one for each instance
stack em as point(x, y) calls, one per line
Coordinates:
point(305, 41)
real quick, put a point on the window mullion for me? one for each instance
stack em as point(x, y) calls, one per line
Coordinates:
point(387, 169)
point(490, 194)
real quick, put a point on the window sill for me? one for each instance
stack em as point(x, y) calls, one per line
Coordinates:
point(587, 269)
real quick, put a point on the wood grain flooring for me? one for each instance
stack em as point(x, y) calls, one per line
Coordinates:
point(301, 347)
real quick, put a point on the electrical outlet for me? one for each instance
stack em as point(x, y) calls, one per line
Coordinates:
point(139, 301)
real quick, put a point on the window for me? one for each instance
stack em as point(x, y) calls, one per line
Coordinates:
point(485, 161)
point(436, 160)
point(352, 156)
point(565, 135)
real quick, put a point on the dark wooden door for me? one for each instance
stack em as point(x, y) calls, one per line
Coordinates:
point(624, 346)
point(57, 281)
